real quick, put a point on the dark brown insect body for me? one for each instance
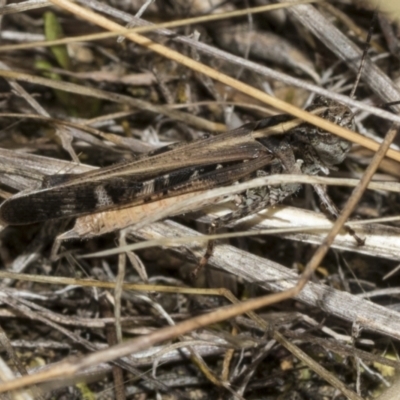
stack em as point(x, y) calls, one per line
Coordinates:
point(199, 165)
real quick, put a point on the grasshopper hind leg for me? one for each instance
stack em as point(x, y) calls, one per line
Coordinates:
point(250, 203)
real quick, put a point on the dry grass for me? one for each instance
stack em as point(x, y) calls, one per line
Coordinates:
point(117, 315)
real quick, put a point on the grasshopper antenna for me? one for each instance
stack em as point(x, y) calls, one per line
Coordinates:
point(365, 54)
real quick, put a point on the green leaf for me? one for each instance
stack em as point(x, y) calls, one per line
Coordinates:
point(53, 31)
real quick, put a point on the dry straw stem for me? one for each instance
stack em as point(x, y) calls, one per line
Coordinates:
point(274, 277)
point(24, 6)
point(98, 19)
point(346, 51)
point(288, 222)
point(312, 292)
point(82, 127)
point(227, 257)
point(347, 210)
point(251, 304)
point(149, 28)
point(385, 94)
point(118, 351)
point(340, 303)
point(201, 123)
point(328, 31)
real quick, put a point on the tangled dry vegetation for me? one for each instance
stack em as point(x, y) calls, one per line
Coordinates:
point(132, 322)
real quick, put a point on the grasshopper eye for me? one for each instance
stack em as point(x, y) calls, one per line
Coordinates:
point(347, 120)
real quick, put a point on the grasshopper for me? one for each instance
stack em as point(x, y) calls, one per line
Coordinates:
point(278, 144)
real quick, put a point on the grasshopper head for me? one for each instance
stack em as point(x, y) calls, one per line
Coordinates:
point(331, 149)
